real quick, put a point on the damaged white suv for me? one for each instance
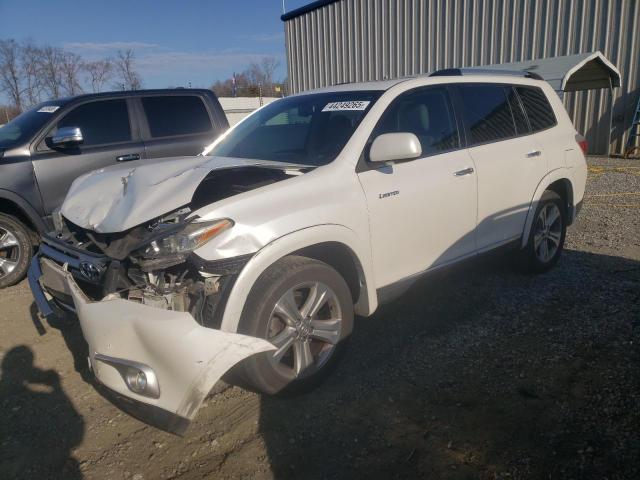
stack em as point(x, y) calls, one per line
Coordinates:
point(315, 207)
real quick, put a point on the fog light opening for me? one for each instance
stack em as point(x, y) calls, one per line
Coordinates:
point(138, 377)
point(137, 381)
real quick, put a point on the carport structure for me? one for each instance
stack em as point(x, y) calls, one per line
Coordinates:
point(570, 73)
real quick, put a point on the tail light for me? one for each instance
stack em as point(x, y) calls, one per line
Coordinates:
point(582, 142)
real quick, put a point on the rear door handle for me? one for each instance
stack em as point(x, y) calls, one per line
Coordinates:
point(129, 157)
point(466, 171)
point(534, 153)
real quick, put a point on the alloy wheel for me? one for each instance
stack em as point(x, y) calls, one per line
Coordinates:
point(548, 232)
point(9, 252)
point(305, 326)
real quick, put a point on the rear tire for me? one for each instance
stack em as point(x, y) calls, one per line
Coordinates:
point(304, 307)
point(16, 250)
point(546, 238)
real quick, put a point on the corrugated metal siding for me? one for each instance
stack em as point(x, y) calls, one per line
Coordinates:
point(356, 40)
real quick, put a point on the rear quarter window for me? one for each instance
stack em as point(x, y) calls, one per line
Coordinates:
point(537, 107)
point(176, 115)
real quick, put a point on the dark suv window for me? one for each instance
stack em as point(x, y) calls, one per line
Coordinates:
point(519, 117)
point(537, 107)
point(102, 122)
point(486, 112)
point(176, 115)
point(428, 114)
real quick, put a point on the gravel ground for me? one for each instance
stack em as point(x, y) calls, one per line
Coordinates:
point(485, 373)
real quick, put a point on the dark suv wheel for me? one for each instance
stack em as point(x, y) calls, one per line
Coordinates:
point(304, 307)
point(546, 239)
point(16, 250)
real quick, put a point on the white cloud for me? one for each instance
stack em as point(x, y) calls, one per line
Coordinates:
point(154, 63)
point(263, 37)
point(96, 47)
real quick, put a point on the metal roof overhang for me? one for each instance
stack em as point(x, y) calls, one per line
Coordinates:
point(306, 9)
point(570, 73)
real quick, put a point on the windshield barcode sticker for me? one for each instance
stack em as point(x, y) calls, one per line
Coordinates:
point(341, 106)
point(48, 109)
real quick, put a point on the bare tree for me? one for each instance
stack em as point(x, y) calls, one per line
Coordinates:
point(262, 72)
point(30, 60)
point(51, 72)
point(70, 68)
point(10, 75)
point(99, 73)
point(124, 64)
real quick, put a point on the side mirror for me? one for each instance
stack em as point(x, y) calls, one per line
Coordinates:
point(66, 137)
point(389, 147)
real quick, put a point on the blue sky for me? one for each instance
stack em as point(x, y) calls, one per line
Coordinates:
point(175, 42)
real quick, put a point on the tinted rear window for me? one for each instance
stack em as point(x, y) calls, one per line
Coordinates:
point(486, 112)
point(537, 107)
point(101, 122)
point(519, 117)
point(176, 115)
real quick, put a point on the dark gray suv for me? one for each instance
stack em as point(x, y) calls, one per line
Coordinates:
point(44, 149)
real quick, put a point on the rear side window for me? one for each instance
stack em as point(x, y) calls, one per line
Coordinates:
point(176, 115)
point(537, 106)
point(519, 117)
point(101, 122)
point(486, 113)
point(428, 114)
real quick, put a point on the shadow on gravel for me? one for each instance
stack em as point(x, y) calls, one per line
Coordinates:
point(39, 425)
point(479, 373)
point(69, 328)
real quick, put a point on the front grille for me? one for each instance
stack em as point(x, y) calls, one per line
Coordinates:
point(85, 267)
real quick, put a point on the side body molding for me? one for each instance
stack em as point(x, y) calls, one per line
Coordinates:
point(287, 244)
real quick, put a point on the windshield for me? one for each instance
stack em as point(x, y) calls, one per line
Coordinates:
point(306, 129)
point(24, 126)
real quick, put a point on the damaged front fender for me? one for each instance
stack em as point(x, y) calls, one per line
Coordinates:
point(161, 358)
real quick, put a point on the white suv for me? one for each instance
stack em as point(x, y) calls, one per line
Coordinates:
point(316, 207)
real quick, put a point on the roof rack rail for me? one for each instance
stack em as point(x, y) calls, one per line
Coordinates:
point(458, 72)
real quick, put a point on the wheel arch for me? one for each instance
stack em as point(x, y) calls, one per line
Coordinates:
point(13, 204)
point(335, 245)
point(559, 182)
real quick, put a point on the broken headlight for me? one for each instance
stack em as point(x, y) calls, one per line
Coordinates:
point(192, 236)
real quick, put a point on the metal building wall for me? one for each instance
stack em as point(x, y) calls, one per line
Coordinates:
point(358, 40)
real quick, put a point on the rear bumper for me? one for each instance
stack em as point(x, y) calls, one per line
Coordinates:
point(162, 361)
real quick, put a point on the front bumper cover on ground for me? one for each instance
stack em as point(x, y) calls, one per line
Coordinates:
point(181, 359)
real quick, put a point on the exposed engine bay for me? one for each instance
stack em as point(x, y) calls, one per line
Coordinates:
point(153, 264)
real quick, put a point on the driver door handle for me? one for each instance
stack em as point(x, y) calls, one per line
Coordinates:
point(466, 171)
point(533, 153)
point(127, 158)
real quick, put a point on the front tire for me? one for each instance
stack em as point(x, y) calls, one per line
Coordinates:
point(548, 231)
point(305, 308)
point(16, 250)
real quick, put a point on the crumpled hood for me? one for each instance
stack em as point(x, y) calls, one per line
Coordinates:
point(120, 197)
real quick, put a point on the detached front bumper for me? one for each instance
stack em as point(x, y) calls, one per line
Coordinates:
point(163, 360)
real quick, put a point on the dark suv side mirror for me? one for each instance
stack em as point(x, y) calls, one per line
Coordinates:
point(66, 137)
